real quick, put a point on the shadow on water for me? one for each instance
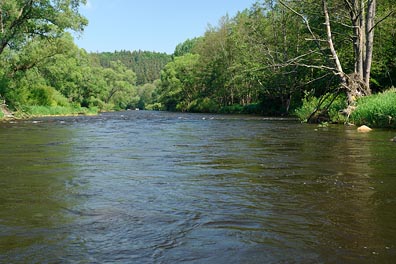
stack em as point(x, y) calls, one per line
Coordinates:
point(168, 187)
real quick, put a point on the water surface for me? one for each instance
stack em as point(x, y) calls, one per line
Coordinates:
point(156, 187)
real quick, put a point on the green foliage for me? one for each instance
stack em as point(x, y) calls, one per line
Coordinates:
point(155, 107)
point(232, 109)
point(377, 110)
point(186, 47)
point(256, 62)
point(40, 110)
point(178, 88)
point(146, 64)
point(262, 57)
point(331, 104)
point(255, 108)
point(309, 105)
point(23, 20)
point(61, 74)
point(41, 95)
point(203, 105)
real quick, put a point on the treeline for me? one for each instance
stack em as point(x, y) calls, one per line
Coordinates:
point(56, 73)
point(146, 64)
point(42, 71)
point(268, 58)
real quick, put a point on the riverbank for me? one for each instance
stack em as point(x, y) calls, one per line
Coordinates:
point(377, 110)
point(42, 111)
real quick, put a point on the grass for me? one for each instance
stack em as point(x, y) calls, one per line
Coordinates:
point(36, 110)
point(377, 110)
point(330, 103)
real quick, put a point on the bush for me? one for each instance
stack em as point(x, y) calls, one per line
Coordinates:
point(41, 95)
point(59, 99)
point(205, 105)
point(232, 109)
point(155, 107)
point(242, 109)
point(39, 110)
point(331, 106)
point(253, 109)
point(377, 110)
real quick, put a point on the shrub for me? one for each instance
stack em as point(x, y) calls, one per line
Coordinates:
point(41, 95)
point(40, 110)
point(155, 107)
point(59, 99)
point(205, 105)
point(255, 108)
point(232, 109)
point(330, 106)
point(309, 104)
point(377, 110)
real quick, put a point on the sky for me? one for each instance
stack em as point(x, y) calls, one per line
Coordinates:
point(151, 25)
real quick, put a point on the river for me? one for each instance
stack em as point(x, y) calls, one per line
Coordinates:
point(157, 187)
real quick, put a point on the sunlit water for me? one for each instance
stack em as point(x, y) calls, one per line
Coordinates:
point(155, 187)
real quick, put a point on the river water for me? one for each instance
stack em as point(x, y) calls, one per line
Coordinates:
point(157, 187)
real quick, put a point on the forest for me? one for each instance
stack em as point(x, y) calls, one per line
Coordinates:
point(325, 60)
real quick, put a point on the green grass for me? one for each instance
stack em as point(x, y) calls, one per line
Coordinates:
point(332, 104)
point(377, 110)
point(36, 110)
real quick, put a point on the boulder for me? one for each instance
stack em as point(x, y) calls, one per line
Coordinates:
point(364, 129)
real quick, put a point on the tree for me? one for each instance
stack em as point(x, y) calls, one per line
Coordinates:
point(21, 20)
point(267, 38)
point(186, 47)
point(179, 86)
point(359, 18)
point(120, 86)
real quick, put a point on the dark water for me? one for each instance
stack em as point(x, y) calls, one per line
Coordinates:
point(153, 187)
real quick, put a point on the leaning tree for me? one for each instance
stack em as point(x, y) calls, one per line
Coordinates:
point(356, 20)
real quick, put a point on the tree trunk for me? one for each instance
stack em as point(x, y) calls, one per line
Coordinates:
point(371, 6)
point(358, 83)
point(333, 51)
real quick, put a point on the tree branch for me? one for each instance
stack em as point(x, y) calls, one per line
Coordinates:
point(381, 20)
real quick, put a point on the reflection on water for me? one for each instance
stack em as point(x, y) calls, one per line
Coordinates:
point(143, 187)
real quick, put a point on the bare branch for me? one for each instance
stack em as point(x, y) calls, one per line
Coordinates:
point(330, 39)
point(381, 20)
point(304, 19)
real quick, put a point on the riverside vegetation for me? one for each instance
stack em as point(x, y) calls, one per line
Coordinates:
point(319, 61)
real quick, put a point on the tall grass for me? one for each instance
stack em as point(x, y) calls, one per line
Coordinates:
point(332, 104)
point(37, 110)
point(377, 110)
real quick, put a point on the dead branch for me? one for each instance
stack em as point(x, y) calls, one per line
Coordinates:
point(381, 20)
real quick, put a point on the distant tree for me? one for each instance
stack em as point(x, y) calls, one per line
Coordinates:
point(146, 64)
point(178, 85)
point(120, 83)
point(187, 46)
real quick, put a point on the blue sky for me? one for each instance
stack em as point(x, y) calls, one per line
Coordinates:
point(153, 25)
